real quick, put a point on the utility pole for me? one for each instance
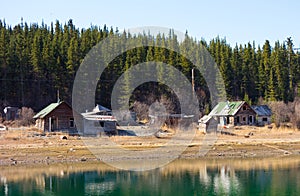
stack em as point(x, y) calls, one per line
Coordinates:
point(58, 99)
point(193, 82)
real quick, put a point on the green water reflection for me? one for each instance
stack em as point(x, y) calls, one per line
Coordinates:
point(186, 177)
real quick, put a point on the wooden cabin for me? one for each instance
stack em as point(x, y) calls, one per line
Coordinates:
point(231, 114)
point(56, 117)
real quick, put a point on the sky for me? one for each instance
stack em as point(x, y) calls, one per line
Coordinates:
point(238, 21)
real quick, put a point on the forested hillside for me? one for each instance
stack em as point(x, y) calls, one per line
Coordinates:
point(37, 60)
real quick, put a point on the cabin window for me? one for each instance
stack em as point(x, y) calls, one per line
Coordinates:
point(265, 119)
point(102, 123)
point(244, 119)
point(71, 123)
point(244, 107)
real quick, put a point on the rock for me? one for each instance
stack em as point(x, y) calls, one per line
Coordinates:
point(83, 159)
point(63, 137)
point(14, 162)
point(249, 134)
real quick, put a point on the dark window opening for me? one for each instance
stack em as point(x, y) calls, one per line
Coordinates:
point(244, 107)
point(72, 124)
point(265, 119)
point(244, 119)
point(102, 123)
point(237, 119)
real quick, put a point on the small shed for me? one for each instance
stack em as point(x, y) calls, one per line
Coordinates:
point(208, 124)
point(11, 113)
point(263, 114)
point(56, 117)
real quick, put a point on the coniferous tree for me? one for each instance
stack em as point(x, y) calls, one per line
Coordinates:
point(37, 60)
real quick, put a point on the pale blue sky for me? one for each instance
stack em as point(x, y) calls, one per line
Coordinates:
point(238, 21)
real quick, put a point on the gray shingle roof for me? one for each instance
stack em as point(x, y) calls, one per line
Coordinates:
point(262, 110)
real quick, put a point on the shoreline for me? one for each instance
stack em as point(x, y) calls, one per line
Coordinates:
point(21, 147)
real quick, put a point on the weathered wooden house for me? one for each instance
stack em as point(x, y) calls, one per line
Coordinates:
point(56, 117)
point(11, 113)
point(263, 114)
point(98, 122)
point(231, 114)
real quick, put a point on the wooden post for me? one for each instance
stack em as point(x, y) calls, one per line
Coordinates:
point(49, 124)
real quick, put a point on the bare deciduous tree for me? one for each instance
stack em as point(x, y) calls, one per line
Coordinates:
point(286, 113)
point(26, 117)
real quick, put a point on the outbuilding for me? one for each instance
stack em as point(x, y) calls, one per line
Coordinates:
point(263, 114)
point(99, 121)
point(56, 117)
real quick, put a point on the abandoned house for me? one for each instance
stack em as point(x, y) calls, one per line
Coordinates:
point(11, 113)
point(230, 114)
point(263, 114)
point(56, 117)
point(98, 122)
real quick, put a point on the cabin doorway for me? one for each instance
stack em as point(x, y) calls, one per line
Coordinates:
point(250, 119)
point(54, 124)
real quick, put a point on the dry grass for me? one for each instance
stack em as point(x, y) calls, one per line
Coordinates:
point(30, 146)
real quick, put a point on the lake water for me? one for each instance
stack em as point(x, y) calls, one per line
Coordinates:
point(276, 176)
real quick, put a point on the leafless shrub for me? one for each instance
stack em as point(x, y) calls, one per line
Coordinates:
point(26, 117)
point(295, 117)
point(281, 112)
point(168, 104)
point(141, 110)
point(286, 113)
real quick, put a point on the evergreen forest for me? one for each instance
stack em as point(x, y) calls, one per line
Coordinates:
point(36, 61)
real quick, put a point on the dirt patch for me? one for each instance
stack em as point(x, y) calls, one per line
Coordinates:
point(29, 147)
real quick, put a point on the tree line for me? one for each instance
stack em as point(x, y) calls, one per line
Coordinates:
point(38, 60)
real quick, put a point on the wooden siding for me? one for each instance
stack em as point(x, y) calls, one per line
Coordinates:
point(245, 116)
point(60, 118)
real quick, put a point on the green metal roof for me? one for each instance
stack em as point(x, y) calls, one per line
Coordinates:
point(226, 108)
point(44, 112)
